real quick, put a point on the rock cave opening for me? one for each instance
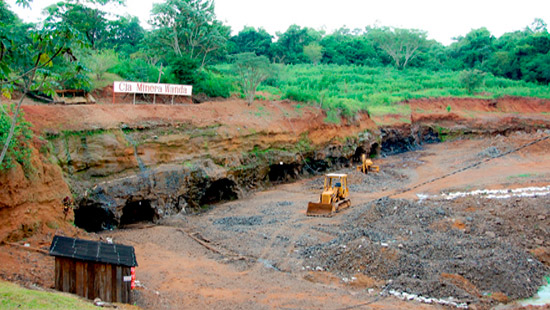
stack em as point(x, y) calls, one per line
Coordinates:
point(219, 190)
point(374, 150)
point(283, 172)
point(397, 142)
point(432, 136)
point(357, 155)
point(137, 211)
point(94, 218)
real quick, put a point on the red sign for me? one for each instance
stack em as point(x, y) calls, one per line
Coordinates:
point(133, 273)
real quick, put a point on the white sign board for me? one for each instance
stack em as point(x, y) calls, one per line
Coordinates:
point(152, 88)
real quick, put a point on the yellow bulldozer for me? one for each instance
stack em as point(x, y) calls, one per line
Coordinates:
point(334, 197)
point(367, 165)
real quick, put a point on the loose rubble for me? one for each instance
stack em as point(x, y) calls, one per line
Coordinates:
point(432, 249)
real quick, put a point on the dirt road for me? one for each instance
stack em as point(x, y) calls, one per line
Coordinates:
point(262, 252)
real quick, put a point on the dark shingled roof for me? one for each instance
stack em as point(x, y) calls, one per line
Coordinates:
point(101, 252)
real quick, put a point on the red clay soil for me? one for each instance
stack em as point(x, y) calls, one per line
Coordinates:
point(466, 105)
point(234, 113)
point(501, 113)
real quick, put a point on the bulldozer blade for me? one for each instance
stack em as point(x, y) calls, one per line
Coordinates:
point(320, 209)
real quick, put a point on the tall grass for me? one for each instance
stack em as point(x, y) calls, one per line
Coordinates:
point(349, 89)
point(344, 90)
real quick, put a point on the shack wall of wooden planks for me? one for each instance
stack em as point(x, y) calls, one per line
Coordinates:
point(94, 269)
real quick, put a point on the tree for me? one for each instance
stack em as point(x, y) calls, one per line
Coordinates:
point(189, 27)
point(17, 148)
point(473, 49)
point(215, 44)
point(101, 61)
point(31, 65)
point(401, 45)
point(250, 40)
point(538, 25)
point(123, 35)
point(251, 70)
point(289, 48)
point(345, 47)
point(522, 54)
point(89, 21)
point(314, 52)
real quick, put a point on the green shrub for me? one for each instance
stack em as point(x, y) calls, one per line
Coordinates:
point(184, 70)
point(213, 84)
point(300, 95)
point(137, 70)
point(333, 117)
point(98, 62)
point(471, 79)
point(19, 147)
point(347, 107)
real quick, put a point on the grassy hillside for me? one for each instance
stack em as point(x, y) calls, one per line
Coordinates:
point(344, 90)
point(352, 88)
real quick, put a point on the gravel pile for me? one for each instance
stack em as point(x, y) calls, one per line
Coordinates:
point(422, 249)
point(489, 152)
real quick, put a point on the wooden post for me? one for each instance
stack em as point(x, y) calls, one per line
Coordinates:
point(108, 283)
point(173, 99)
point(58, 274)
point(134, 98)
point(158, 81)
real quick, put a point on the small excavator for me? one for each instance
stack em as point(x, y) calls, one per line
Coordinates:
point(367, 165)
point(333, 198)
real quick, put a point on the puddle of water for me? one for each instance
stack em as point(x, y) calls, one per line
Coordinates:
point(501, 193)
point(542, 298)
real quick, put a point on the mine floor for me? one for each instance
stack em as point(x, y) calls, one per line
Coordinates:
point(262, 252)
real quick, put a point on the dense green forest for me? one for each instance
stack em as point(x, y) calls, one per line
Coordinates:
point(78, 45)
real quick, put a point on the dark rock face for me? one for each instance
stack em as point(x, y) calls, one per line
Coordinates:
point(405, 139)
point(159, 189)
point(151, 195)
point(129, 177)
point(155, 193)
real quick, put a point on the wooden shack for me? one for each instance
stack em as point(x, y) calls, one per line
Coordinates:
point(94, 269)
point(73, 96)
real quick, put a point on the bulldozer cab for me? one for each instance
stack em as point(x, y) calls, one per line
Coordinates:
point(333, 198)
point(337, 183)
